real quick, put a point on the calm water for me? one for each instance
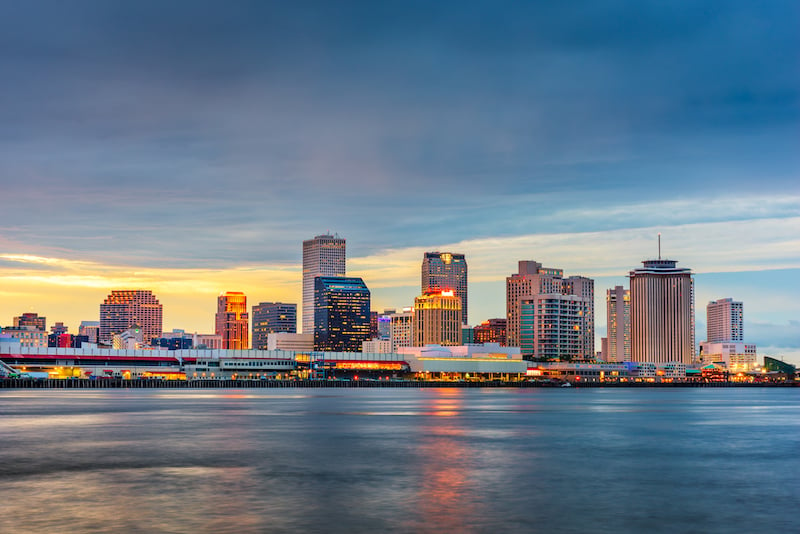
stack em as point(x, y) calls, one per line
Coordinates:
point(377, 460)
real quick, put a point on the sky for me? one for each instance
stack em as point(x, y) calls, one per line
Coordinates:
point(189, 147)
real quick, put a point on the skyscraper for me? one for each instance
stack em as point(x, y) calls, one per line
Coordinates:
point(341, 313)
point(232, 321)
point(618, 320)
point(662, 312)
point(446, 271)
point(437, 318)
point(550, 316)
point(725, 321)
point(271, 318)
point(124, 309)
point(322, 256)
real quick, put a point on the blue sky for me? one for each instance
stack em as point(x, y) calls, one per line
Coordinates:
point(191, 146)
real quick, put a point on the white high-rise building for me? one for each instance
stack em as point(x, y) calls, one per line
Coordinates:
point(322, 256)
point(618, 315)
point(402, 329)
point(662, 313)
point(725, 321)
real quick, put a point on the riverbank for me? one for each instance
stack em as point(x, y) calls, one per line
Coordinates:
point(119, 383)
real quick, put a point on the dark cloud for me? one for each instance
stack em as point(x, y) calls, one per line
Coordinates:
point(247, 126)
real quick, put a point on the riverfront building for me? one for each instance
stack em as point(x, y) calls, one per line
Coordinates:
point(437, 318)
point(124, 309)
point(270, 318)
point(402, 329)
point(662, 313)
point(618, 320)
point(232, 321)
point(725, 321)
point(446, 271)
point(322, 256)
point(30, 319)
point(549, 316)
point(490, 331)
point(341, 313)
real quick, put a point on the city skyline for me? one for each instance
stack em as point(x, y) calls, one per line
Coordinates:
point(189, 148)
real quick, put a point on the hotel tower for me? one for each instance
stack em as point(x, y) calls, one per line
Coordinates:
point(662, 312)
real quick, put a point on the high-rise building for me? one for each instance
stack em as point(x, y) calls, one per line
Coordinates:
point(446, 271)
point(662, 313)
point(90, 329)
point(341, 313)
point(437, 318)
point(549, 316)
point(271, 318)
point(491, 331)
point(618, 320)
point(322, 256)
point(31, 319)
point(232, 321)
point(725, 321)
point(402, 329)
point(126, 308)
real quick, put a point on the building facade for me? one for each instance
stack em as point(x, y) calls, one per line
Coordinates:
point(662, 313)
point(446, 271)
point(402, 329)
point(725, 321)
point(437, 319)
point(322, 256)
point(31, 319)
point(549, 316)
point(232, 321)
point(272, 317)
point(618, 321)
point(490, 331)
point(341, 314)
point(124, 309)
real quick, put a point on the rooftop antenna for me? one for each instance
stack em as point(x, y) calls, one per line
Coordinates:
point(659, 245)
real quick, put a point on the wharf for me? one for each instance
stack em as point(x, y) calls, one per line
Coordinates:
point(119, 383)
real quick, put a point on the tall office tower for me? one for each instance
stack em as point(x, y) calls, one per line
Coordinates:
point(491, 331)
point(437, 318)
point(125, 308)
point(271, 318)
point(341, 313)
point(446, 271)
point(725, 321)
point(549, 316)
point(322, 256)
point(662, 312)
point(618, 320)
point(232, 321)
point(31, 319)
point(402, 329)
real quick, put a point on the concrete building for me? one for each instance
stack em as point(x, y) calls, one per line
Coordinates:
point(290, 341)
point(322, 256)
point(123, 309)
point(662, 313)
point(232, 321)
point(207, 341)
point(437, 318)
point(377, 346)
point(491, 331)
point(30, 319)
point(618, 320)
point(130, 339)
point(446, 271)
point(735, 356)
point(28, 336)
point(402, 329)
point(549, 316)
point(271, 317)
point(90, 329)
point(341, 313)
point(725, 321)
point(465, 361)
